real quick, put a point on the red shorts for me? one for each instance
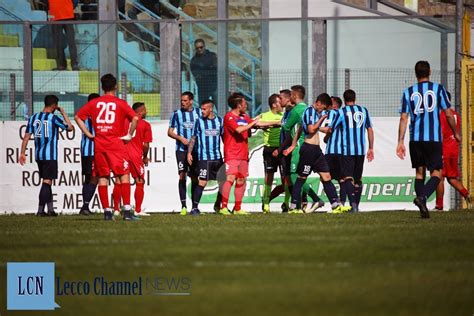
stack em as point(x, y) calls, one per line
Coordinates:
point(104, 162)
point(238, 168)
point(137, 168)
point(450, 167)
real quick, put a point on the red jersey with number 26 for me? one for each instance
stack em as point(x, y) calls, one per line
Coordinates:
point(235, 145)
point(450, 145)
point(108, 114)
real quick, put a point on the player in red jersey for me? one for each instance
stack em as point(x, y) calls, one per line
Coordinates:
point(450, 161)
point(108, 114)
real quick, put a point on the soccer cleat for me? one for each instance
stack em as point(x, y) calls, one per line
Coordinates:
point(116, 213)
point(284, 208)
point(266, 209)
point(85, 212)
point(41, 214)
point(224, 211)
point(295, 211)
point(315, 206)
point(141, 213)
point(421, 204)
point(184, 211)
point(340, 209)
point(108, 215)
point(128, 216)
point(354, 208)
point(468, 202)
point(437, 209)
point(195, 211)
point(240, 212)
point(347, 208)
point(52, 214)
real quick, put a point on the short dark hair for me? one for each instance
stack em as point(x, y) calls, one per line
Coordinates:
point(137, 105)
point(324, 98)
point(272, 99)
point(189, 94)
point(207, 101)
point(199, 40)
point(50, 100)
point(300, 90)
point(349, 96)
point(338, 100)
point(109, 82)
point(235, 99)
point(286, 92)
point(92, 96)
point(422, 69)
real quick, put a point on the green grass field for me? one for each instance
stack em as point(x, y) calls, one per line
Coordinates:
point(380, 263)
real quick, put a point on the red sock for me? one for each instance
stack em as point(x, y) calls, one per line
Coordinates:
point(116, 195)
point(139, 194)
point(464, 192)
point(226, 192)
point(439, 202)
point(103, 196)
point(126, 193)
point(239, 195)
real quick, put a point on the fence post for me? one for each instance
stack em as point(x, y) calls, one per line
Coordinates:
point(319, 44)
point(28, 67)
point(347, 78)
point(123, 84)
point(170, 63)
point(232, 82)
point(12, 94)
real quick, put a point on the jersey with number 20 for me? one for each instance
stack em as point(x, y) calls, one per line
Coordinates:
point(108, 114)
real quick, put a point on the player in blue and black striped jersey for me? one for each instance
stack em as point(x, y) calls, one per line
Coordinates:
point(89, 183)
point(45, 126)
point(207, 134)
point(181, 129)
point(423, 102)
point(354, 120)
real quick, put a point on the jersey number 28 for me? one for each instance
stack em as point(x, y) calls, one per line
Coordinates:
point(107, 112)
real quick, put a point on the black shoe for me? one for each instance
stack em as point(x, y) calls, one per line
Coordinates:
point(421, 204)
point(128, 216)
point(195, 211)
point(108, 216)
point(354, 208)
point(284, 208)
point(85, 212)
point(52, 213)
point(41, 214)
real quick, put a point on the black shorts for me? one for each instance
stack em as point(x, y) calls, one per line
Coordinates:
point(285, 165)
point(48, 169)
point(86, 163)
point(211, 170)
point(183, 165)
point(270, 162)
point(334, 165)
point(426, 154)
point(311, 159)
point(352, 167)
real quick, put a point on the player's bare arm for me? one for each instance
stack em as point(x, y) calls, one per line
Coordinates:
point(452, 124)
point(313, 128)
point(82, 127)
point(192, 141)
point(70, 127)
point(243, 128)
point(24, 144)
point(402, 127)
point(294, 142)
point(370, 136)
point(146, 149)
point(133, 126)
point(172, 134)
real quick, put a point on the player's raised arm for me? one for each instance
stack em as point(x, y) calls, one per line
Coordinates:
point(70, 127)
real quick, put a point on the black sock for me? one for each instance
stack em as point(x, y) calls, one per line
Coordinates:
point(182, 192)
point(419, 187)
point(313, 195)
point(296, 193)
point(197, 195)
point(330, 191)
point(50, 200)
point(194, 184)
point(218, 199)
point(279, 189)
point(304, 197)
point(44, 196)
point(350, 191)
point(342, 192)
point(358, 192)
point(430, 186)
point(88, 190)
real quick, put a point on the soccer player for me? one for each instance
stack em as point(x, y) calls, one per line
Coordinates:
point(290, 128)
point(108, 114)
point(450, 161)
point(423, 102)
point(271, 143)
point(181, 129)
point(87, 158)
point(354, 121)
point(312, 158)
point(207, 134)
point(137, 155)
point(334, 146)
point(44, 126)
